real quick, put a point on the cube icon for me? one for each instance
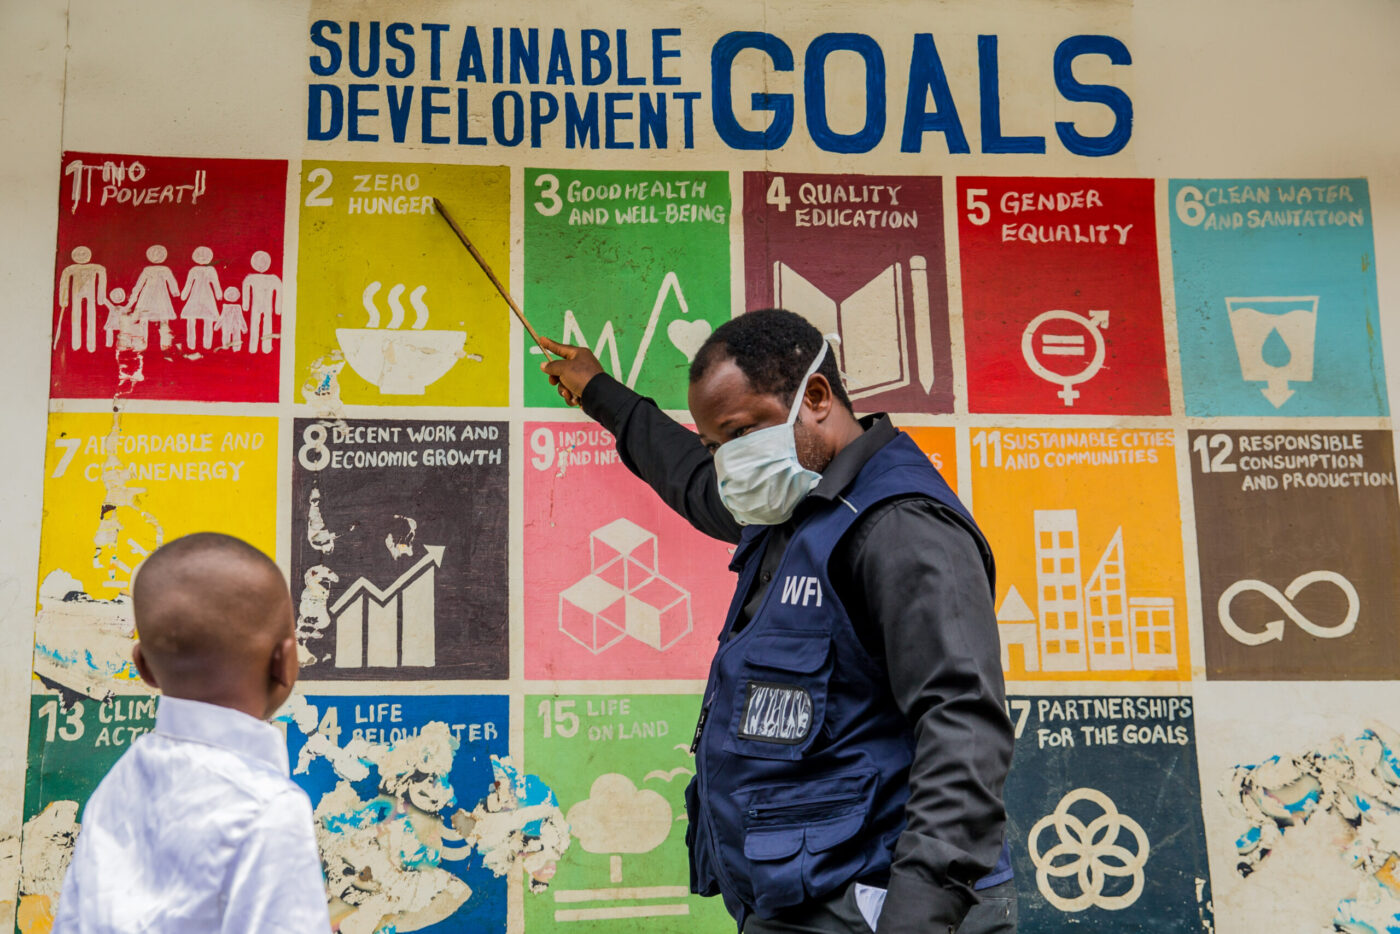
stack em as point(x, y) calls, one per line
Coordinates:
point(592, 612)
point(624, 593)
point(658, 613)
point(623, 554)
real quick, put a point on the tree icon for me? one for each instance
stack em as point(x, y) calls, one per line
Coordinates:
point(618, 817)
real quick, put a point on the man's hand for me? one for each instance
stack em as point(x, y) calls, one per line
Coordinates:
point(572, 371)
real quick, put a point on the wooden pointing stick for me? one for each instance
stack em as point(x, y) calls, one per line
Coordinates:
point(480, 261)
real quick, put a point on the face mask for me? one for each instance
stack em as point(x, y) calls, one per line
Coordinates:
point(761, 481)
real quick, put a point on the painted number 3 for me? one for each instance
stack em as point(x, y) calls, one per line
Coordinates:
point(550, 202)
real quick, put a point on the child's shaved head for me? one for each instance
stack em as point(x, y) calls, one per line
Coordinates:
point(215, 623)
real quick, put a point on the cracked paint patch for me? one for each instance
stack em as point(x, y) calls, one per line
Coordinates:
point(46, 849)
point(322, 385)
point(1353, 780)
point(394, 841)
point(82, 643)
point(518, 823)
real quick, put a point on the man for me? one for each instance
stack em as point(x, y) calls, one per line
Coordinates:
point(853, 741)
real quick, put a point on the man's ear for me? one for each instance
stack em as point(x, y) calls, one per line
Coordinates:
point(142, 667)
point(283, 665)
point(819, 397)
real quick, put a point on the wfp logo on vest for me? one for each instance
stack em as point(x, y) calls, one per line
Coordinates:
point(800, 590)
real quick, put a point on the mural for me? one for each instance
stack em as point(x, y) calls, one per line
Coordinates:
point(1164, 398)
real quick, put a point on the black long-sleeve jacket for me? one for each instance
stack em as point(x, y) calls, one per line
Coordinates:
point(915, 579)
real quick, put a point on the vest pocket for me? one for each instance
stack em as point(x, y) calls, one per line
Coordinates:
point(780, 694)
point(793, 836)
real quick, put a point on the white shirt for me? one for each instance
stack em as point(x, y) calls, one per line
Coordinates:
point(197, 828)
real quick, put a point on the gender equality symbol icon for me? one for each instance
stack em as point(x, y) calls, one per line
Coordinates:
point(1056, 343)
point(1273, 630)
point(1092, 853)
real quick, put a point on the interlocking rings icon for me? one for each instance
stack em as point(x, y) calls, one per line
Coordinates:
point(1274, 628)
point(1089, 852)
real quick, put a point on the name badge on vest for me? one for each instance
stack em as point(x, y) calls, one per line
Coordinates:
point(776, 713)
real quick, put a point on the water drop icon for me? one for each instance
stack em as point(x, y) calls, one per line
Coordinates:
point(1275, 351)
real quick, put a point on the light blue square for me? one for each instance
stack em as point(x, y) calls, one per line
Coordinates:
point(1276, 302)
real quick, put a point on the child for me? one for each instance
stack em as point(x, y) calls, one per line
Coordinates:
point(117, 312)
point(198, 827)
point(231, 323)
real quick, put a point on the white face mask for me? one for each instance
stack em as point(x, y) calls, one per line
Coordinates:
point(761, 481)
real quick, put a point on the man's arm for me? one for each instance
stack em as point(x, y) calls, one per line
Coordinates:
point(918, 573)
point(666, 455)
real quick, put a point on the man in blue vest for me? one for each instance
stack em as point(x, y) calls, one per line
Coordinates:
point(853, 740)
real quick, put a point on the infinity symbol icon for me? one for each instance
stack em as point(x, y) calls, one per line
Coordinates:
point(1273, 630)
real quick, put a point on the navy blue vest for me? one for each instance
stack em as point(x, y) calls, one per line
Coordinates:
point(802, 765)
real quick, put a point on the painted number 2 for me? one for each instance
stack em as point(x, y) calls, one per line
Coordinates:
point(313, 197)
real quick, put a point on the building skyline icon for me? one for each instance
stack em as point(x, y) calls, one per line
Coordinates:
point(1084, 625)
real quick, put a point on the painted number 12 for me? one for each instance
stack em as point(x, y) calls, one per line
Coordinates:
point(1220, 462)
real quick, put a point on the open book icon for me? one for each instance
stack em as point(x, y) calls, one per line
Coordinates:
point(870, 323)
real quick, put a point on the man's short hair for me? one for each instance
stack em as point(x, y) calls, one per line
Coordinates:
point(773, 348)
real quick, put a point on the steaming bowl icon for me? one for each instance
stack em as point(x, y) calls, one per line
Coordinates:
point(401, 363)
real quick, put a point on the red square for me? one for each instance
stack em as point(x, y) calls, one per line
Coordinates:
point(1062, 303)
point(168, 279)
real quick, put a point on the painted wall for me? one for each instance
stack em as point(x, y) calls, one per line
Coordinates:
point(1119, 268)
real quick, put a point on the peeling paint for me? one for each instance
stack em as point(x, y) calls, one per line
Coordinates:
point(518, 823)
point(313, 617)
point(322, 385)
point(81, 643)
point(46, 850)
point(320, 538)
point(383, 855)
point(1355, 781)
point(9, 880)
point(402, 545)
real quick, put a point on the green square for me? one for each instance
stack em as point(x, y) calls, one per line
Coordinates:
point(619, 765)
point(72, 748)
point(633, 264)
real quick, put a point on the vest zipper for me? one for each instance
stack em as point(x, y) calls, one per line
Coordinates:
point(810, 806)
point(699, 728)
